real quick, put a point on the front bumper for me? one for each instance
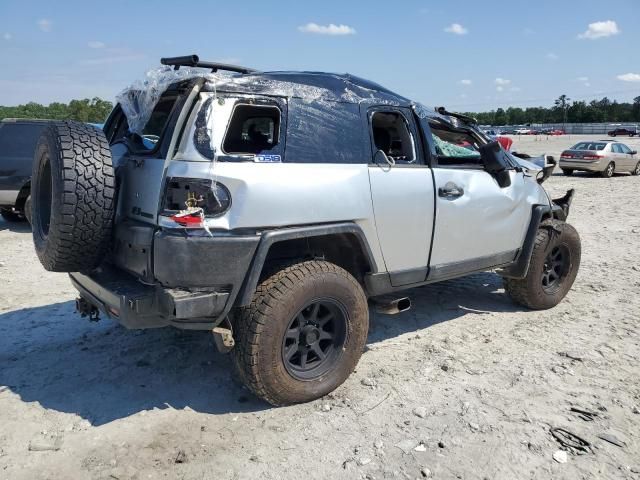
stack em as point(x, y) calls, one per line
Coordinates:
point(185, 280)
point(586, 165)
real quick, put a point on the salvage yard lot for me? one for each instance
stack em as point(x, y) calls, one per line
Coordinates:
point(465, 385)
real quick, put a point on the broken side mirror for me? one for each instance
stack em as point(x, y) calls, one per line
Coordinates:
point(496, 163)
point(381, 158)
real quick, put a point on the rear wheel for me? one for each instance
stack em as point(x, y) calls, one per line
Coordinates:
point(609, 170)
point(567, 171)
point(72, 193)
point(303, 333)
point(552, 270)
point(636, 170)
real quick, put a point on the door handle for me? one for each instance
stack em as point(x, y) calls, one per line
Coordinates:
point(450, 191)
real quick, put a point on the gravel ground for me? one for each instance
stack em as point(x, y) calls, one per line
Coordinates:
point(465, 385)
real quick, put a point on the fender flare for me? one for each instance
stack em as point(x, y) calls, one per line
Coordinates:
point(520, 266)
point(271, 237)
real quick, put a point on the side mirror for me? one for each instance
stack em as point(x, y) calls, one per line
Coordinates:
point(496, 163)
point(382, 158)
point(633, 152)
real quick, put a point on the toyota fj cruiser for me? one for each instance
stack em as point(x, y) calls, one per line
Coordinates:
point(268, 207)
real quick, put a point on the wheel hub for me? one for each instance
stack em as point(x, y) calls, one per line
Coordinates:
point(555, 268)
point(314, 339)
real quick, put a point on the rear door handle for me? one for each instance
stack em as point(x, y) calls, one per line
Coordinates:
point(450, 191)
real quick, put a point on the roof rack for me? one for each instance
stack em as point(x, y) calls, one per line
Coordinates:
point(194, 61)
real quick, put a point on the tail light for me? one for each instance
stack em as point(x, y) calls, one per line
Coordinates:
point(566, 155)
point(188, 201)
point(591, 157)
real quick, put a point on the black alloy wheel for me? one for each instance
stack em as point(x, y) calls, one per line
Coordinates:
point(314, 339)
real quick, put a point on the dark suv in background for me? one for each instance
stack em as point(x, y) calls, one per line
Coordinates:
point(18, 139)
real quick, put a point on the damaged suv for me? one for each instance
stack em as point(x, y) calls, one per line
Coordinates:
point(269, 207)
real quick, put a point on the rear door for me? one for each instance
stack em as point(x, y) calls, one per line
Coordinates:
point(479, 225)
point(140, 158)
point(402, 193)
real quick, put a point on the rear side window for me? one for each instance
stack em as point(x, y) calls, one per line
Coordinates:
point(616, 148)
point(253, 129)
point(391, 134)
point(159, 117)
point(19, 140)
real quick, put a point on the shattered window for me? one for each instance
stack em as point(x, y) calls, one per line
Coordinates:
point(391, 135)
point(455, 147)
point(253, 129)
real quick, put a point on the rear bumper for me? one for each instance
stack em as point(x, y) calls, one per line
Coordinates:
point(597, 166)
point(183, 280)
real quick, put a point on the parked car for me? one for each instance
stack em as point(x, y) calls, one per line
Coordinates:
point(604, 156)
point(522, 131)
point(18, 138)
point(616, 132)
point(274, 204)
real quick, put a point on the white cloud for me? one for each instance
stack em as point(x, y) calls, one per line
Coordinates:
point(629, 77)
point(45, 24)
point(465, 82)
point(501, 82)
point(499, 88)
point(603, 29)
point(330, 29)
point(456, 29)
point(7, 36)
point(515, 89)
point(552, 56)
point(584, 81)
point(96, 44)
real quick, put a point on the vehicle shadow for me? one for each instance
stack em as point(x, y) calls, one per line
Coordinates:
point(103, 372)
point(18, 227)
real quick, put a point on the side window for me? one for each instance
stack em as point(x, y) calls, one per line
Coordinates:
point(159, 117)
point(19, 140)
point(252, 130)
point(391, 134)
point(616, 148)
point(625, 149)
point(455, 147)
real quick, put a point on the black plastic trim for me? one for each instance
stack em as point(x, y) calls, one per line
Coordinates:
point(520, 266)
point(275, 236)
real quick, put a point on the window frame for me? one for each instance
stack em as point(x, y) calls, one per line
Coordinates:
point(259, 103)
point(409, 117)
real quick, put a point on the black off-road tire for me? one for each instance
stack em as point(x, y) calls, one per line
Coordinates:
point(73, 195)
point(260, 331)
point(609, 170)
point(567, 171)
point(11, 215)
point(530, 291)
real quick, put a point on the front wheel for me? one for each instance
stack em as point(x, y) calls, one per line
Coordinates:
point(303, 333)
point(552, 270)
point(636, 170)
point(609, 171)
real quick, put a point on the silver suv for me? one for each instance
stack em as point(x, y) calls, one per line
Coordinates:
point(269, 207)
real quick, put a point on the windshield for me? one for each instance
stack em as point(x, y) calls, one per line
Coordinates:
point(589, 146)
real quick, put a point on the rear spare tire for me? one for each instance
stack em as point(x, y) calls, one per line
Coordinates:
point(73, 196)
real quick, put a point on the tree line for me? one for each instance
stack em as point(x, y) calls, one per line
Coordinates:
point(93, 110)
point(564, 111)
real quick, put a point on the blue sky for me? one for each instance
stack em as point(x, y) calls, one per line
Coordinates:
point(464, 54)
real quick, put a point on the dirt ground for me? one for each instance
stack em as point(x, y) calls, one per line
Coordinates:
point(466, 385)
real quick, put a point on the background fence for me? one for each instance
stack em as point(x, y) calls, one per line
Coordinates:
point(584, 128)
